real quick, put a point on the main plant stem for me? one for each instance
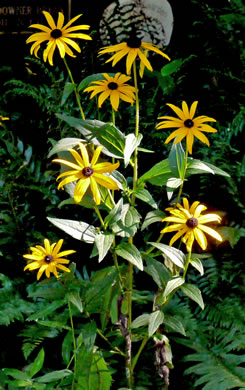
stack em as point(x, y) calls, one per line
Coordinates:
point(74, 343)
point(75, 90)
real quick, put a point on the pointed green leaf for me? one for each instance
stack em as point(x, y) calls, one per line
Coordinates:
point(54, 324)
point(63, 145)
point(172, 67)
point(171, 185)
point(79, 230)
point(37, 365)
point(128, 224)
point(172, 285)
point(176, 160)
point(174, 323)
point(53, 376)
point(158, 174)
point(103, 243)
point(193, 293)
point(142, 320)
point(75, 298)
point(155, 320)
point(48, 309)
point(131, 143)
point(69, 88)
point(100, 133)
point(16, 374)
point(231, 234)
point(172, 254)
point(131, 253)
point(197, 167)
point(157, 271)
point(115, 214)
point(152, 217)
point(196, 263)
point(67, 347)
point(145, 196)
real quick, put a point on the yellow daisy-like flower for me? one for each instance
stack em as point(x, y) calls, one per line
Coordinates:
point(187, 125)
point(87, 174)
point(189, 223)
point(132, 48)
point(3, 118)
point(57, 36)
point(113, 87)
point(48, 258)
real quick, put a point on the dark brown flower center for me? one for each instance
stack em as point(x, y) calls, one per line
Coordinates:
point(192, 222)
point(112, 85)
point(188, 123)
point(56, 33)
point(48, 259)
point(134, 42)
point(88, 171)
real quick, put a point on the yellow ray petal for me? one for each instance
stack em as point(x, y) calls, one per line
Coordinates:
point(104, 95)
point(105, 167)
point(60, 21)
point(69, 164)
point(71, 21)
point(178, 111)
point(57, 247)
point(95, 190)
point(200, 237)
point(209, 218)
point(41, 271)
point(60, 266)
point(211, 232)
point(50, 20)
point(80, 189)
point(96, 156)
point(114, 98)
point(193, 109)
point(84, 154)
point(178, 235)
point(201, 137)
point(185, 110)
point(106, 181)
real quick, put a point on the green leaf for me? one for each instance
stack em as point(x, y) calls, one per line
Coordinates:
point(103, 243)
point(54, 324)
point(172, 254)
point(75, 298)
point(196, 263)
point(231, 234)
point(63, 145)
point(69, 88)
point(37, 365)
point(197, 166)
point(128, 224)
point(152, 217)
point(16, 374)
point(142, 320)
point(67, 347)
point(157, 271)
point(48, 309)
point(172, 184)
point(193, 293)
point(155, 320)
point(100, 133)
point(176, 160)
point(131, 143)
point(115, 214)
point(158, 174)
point(173, 284)
point(53, 376)
point(131, 253)
point(145, 196)
point(172, 67)
point(174, 323)
point(79, 230)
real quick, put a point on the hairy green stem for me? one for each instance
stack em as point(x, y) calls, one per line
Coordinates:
point(75, 90)
point(187, 264)
point(135, 360)
point(99, 216)
point(181, 187)
point(74, 343)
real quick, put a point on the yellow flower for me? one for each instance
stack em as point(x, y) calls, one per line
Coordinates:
point(187, 125)
point(47, 258)
point(132, 48)
point(87, 174)
point(3, 118)
point(189, 223)
point(113, 87)
point(57, 35)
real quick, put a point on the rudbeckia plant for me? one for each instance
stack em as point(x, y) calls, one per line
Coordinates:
point(99, 170)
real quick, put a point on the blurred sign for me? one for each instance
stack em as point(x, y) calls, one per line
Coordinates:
point(17, 15)
point(151, 19)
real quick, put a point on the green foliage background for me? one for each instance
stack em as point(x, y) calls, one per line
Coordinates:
point(208, 48)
